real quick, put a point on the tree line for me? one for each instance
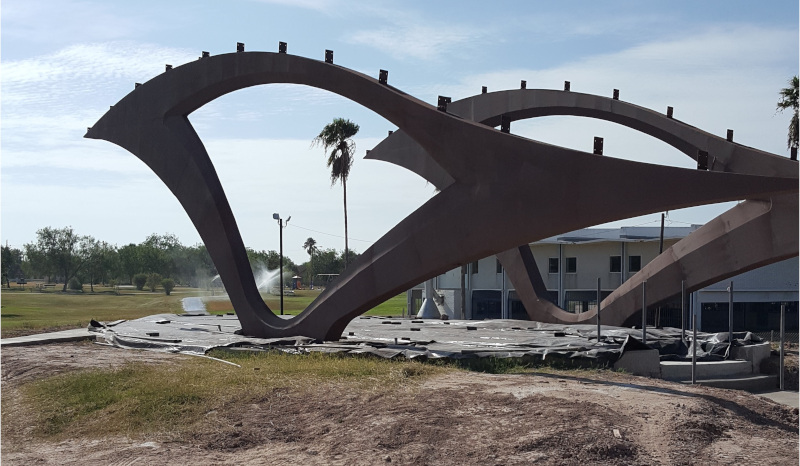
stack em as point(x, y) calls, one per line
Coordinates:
point(60, 255)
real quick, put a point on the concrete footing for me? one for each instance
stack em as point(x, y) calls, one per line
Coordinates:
point(644, 363)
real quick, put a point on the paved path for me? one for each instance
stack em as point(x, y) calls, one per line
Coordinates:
point(52, 337)
point(785, 397)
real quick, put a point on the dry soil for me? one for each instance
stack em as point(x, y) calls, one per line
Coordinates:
point(569, 418)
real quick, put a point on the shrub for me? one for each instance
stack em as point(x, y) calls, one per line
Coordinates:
point(75, 284)
point(114, 284)
point(139, 280)
point(153, 280)
point(168, 285)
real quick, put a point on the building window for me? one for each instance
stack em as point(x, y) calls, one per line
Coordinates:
point(487, 304)
point(499, 266)
point(615, 265)
point(475, 267)
point(634, 263)
point(552, 265)
point(572, 265)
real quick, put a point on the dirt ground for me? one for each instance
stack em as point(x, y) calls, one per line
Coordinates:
point(570, 418)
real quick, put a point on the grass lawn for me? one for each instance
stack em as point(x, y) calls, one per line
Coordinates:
point(26, 312)
point(293, 305)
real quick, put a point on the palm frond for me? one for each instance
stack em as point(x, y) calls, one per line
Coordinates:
point(788, 98)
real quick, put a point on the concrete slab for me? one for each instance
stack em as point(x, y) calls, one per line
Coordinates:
point(753, 383)
point(645, 363)
point(756, 354)
point(77, 334)
point(680, 370)
point(783, 397)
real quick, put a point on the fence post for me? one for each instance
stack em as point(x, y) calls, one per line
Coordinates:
point(683, 311)
point(644, 312)
point(783, 328)
point(598, 310)
point(730, 316)
point(694, 348)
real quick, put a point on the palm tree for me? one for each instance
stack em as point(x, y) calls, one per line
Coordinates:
point(311, 247)
point(788, 99)
point(336, 137)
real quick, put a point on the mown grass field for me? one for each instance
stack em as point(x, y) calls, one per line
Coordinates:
point(25, 311)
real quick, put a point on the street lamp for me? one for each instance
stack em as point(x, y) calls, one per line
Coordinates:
point(281, 225)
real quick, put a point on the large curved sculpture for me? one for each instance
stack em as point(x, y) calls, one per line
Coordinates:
point(752, 234)
point(489, 169)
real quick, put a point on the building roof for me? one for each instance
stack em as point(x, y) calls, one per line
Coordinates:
point(623, 234)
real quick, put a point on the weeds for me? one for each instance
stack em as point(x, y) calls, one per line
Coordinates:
point(494, 365)
point(138, 399)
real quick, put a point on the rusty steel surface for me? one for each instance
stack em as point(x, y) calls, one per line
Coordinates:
point(750, 235)
point(488, 168)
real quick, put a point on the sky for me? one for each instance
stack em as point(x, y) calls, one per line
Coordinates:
point(719, 64)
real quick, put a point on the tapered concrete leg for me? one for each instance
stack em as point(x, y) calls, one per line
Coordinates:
point(428, 310)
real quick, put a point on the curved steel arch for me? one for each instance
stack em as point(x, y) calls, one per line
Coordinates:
point(721, 249)
point(489, 169)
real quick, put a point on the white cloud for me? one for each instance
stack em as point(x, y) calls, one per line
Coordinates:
point(57, 96)
point(723, 78)
point(92, 61)
point(38, 21)
point(411, 40)
point(717, 80)
point(316, 5)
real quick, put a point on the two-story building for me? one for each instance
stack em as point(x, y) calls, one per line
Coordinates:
point(570, 265)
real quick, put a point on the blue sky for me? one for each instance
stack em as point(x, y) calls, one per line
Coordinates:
point(720, 64)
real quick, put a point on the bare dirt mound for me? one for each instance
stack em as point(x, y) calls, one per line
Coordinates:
point(558, 418)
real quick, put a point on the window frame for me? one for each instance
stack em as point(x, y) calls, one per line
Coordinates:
point(574, 268)
point(550, 268)
point(631, 268)
point(611, 264)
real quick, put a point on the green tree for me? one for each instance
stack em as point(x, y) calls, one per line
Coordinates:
point(788, 99)
point(329, 261)
point(61, 251)
point(153, 280)
point(168, 284)
point(11, 263)
point(311, 247)
point(129, 262)
point(140, 280)
point(99, 259)
point(75, 284)
point(336, 137)
point(36, 264)
point(193, 266)
point(268, 260)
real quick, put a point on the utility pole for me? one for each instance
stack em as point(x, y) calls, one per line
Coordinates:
point(281, 225)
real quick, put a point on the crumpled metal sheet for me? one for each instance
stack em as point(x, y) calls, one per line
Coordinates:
point(393, 338)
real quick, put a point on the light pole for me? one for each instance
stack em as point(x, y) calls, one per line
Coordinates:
point(281, 225)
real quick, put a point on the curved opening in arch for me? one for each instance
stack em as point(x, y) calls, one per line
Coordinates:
point(259, 140)
point(577, 132)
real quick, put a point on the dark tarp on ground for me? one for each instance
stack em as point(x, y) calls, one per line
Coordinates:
point(198, 333)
